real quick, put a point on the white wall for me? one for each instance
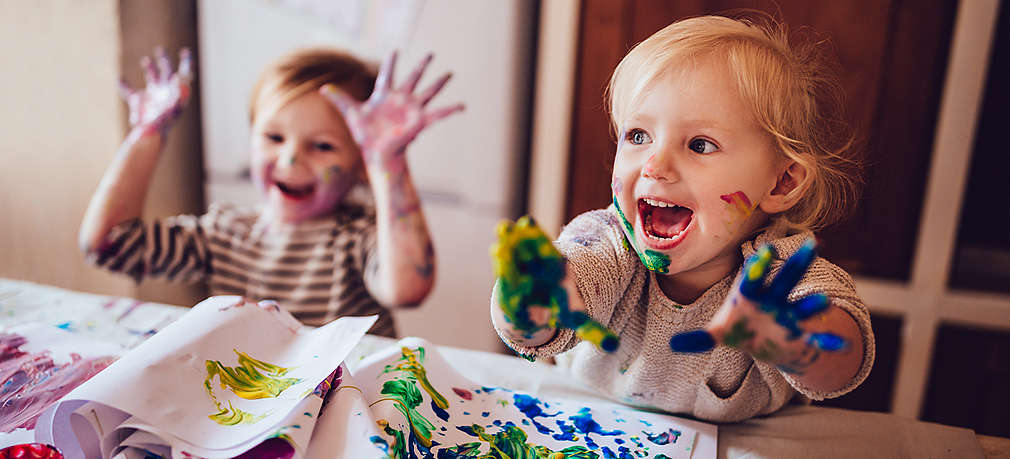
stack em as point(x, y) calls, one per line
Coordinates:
point(466, 167)
point(60, 125)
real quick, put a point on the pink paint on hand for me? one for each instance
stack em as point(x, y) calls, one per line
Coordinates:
point(29, 383)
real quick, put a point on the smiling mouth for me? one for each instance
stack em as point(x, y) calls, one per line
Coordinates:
point(663, 221)
point(296, 191)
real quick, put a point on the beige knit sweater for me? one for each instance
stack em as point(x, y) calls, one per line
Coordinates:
point(723, 385)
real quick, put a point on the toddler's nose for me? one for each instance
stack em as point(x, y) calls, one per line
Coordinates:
point(288, 157)
point(661, 166)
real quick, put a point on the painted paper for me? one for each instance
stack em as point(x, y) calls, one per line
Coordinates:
point(226, 377)
point(410, 403)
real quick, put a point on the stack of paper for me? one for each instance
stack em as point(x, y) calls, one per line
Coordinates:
point(224, 378)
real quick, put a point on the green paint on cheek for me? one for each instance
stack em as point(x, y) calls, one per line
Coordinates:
point(653, 260)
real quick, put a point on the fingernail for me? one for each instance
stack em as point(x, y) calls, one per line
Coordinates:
point(692, 341)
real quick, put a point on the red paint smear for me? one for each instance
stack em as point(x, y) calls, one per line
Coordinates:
point(30, 451)
point(739, 195)
point(463, 393)
point(29, 383)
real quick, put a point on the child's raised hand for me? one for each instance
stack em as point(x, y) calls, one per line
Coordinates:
point(392, 116)
point(761, 320)
point(530, 273)
point(162, 100)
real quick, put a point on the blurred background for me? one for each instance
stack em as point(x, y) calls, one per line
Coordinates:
point(929, 244)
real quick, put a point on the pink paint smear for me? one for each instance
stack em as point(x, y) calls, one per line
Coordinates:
point(32, 382)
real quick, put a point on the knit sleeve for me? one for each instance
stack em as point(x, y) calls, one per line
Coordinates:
point(822, 277)
point(172, 248)
point(602, 264)
point(839, 287)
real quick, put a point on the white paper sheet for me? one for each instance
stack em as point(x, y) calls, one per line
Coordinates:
point(420, 405)
point(164, 385)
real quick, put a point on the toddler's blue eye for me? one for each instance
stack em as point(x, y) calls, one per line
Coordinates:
point(702, 146)
point(275, 138)
point(325, 146)
point(638, 137)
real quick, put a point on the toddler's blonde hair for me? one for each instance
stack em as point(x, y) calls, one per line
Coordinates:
point(790, 88)
point(305, 70)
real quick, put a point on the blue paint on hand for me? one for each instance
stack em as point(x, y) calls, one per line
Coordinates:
point(692, 341)
point(827, 341)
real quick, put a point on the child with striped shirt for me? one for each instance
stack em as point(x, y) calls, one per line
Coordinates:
point(323, 123)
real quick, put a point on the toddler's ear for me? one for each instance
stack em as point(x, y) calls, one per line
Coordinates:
point(789, 188)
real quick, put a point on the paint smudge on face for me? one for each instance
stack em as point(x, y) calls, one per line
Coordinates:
point(411, 362)
point(663, 438)
point(463, 393)
point(740, 208)
point(617, 186)
point(653, 260)
point(32, 382)
point(530, 406)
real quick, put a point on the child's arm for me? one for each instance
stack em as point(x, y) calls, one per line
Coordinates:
point(403, 270)
point(120, 194)
point(818, 344)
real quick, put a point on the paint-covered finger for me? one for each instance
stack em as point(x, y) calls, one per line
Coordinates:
point(150, 72)
point(433, 116)
point(343, 102)
point(125, 90)
point(792, 271)
point(385, 78)
point(434, 89)
point(692, 341)
point(185, 65)
point(164, 65)
point(827, 342)
point(590, 330)
point(755, 270)
point(415, 76)
point(810, 306)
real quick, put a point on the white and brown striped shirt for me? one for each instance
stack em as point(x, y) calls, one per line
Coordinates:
point(314, 269)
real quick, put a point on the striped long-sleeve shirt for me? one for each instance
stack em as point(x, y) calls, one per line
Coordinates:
point(313, 269)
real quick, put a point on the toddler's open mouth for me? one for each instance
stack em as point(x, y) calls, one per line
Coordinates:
point(664, 223)
point(295, 191)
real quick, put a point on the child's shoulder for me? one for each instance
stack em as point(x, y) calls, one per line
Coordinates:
point(596, 234)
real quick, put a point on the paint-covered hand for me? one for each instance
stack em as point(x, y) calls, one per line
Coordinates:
point(159, 104)
point(530, 272)
point(392, 116)
point(760, 319)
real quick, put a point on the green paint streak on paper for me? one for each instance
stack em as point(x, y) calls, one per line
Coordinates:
point(411, 361)
point(252, 379)
point(231, 416)
point(511, 443)
point(409, 397)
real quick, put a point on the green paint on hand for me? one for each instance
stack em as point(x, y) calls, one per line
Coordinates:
point(530, 270)
point(738, 334)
